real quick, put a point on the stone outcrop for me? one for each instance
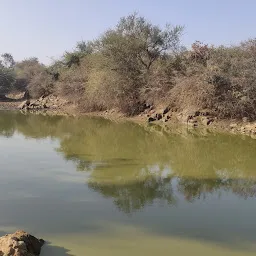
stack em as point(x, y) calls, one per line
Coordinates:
point(20, 243)
point(157, 116)
point(192, 118)
point(249, 128)
point(196, 118)
point(24, 104)
point(43, 103)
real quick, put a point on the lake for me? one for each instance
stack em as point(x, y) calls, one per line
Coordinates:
point(91, 186)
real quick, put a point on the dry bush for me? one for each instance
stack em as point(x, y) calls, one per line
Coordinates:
point(100, 92)
point(137, 63)
point(191, 94)
point(40, 84)
point(199, 53)
point(71, 82)
point(232, 72)
point(34, 77)
point(222, 79)
point(7, 79)
point(159, 82)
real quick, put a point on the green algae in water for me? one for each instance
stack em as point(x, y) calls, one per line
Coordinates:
point(91, 186)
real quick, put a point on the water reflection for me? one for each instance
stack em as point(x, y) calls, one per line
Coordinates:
point(182, 192)
point(136, 167)
point(129, 197)
point(193, 189)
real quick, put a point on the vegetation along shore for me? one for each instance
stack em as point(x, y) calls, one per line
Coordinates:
point(141, 71)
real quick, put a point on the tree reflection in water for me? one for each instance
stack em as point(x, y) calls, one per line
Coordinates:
point(137, 167)
point(130, 197)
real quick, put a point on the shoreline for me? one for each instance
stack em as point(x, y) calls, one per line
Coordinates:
point(165, 118)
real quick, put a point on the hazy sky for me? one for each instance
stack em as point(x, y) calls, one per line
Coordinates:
point(46, 28)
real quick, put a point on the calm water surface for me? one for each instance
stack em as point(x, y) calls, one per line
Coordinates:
point(94, 187)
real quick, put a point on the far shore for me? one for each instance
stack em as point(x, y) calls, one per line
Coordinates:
point(165, 118)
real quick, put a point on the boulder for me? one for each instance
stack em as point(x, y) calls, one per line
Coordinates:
point(197, 113)
point(20, 243)
point(24, 104)
point(151, 119)
point(207, 120)
point(159, 116)
point(249, 128)
point(33, 104)
point(166, 110)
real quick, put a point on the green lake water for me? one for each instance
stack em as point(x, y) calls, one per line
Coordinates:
point(94, 187)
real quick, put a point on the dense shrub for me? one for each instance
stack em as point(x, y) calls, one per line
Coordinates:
point(136, 64)
point(222, 79)
point(7, 76)
point(191, 94)
point(232, 72)
point(7, 79)
point(34, 77)
point(116, 71)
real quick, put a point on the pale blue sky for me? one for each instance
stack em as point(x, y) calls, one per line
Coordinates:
point(46, 28)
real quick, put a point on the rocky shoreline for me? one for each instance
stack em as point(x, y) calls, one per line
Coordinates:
point(163, 116)
point(201, 119)
point(20, 243)
point(49, 103)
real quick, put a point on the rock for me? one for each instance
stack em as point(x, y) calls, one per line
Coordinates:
point(20, 244)
point(207, 120)
point(210, 121)
point(166, 110)
point(33, 104)
point(197, 113)
point(24, 104)
point(147, 106)
point(249, 128)
point(192, 121)
point(159, 116)
point(151, 119)
point(189, 118)
point(233, 126)
point(146, 111)
point(242, 129)
point(204, 113)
